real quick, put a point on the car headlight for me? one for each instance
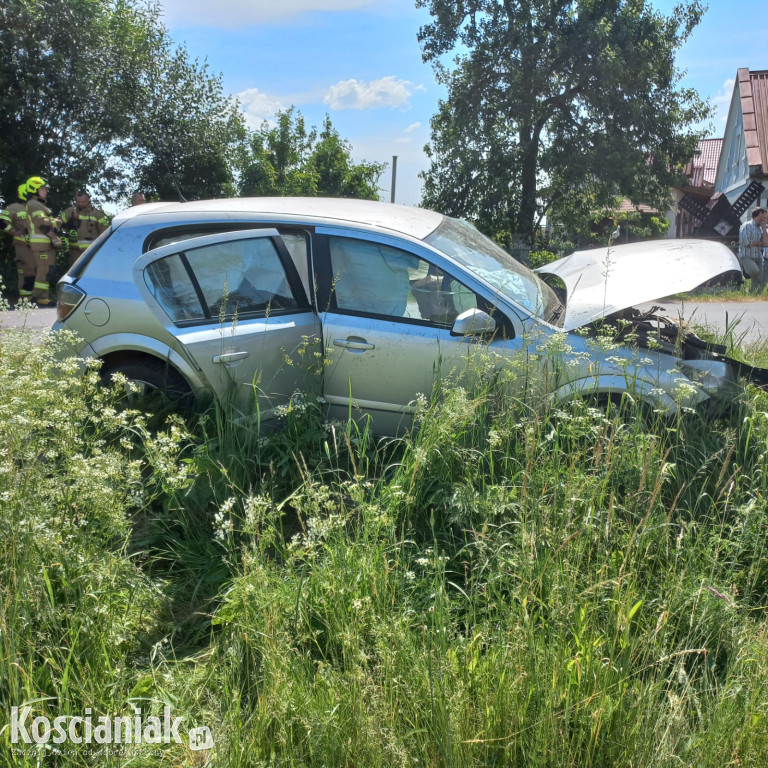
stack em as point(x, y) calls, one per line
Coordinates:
point(714, 376)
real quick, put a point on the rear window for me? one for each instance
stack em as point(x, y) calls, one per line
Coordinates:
point(79, 267)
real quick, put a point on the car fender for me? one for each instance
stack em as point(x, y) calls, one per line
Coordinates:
point(649, 392)
point(131, 342)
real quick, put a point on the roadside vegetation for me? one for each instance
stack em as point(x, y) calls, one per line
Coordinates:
point(740, 293)
point(510, 584)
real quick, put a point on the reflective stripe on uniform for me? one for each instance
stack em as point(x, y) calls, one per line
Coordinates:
point(41, 286)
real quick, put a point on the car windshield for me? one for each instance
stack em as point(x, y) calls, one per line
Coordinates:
point(479, 254)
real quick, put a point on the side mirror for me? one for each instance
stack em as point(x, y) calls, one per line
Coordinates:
point(473, 322)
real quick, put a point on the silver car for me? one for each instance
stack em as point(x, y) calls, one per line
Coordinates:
point(227, 297)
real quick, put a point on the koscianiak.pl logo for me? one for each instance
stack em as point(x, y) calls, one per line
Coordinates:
point(134, 729)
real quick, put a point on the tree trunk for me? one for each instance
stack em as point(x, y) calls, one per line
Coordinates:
point(526, 216)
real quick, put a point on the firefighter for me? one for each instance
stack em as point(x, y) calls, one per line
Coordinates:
point(14, 217)
point(82, 224)
point(43, 239)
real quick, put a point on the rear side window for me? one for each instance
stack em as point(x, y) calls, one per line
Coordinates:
point(296, 241)
point(221, 281)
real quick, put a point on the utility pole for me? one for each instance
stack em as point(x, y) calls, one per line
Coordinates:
point(394, 179)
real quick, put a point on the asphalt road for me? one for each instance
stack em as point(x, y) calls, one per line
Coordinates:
point(38, 318)
point(747, 320)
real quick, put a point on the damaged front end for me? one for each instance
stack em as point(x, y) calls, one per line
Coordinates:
point(703, 362)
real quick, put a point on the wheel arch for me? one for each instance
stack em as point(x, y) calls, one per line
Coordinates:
point(611, 388)
point(122, 348)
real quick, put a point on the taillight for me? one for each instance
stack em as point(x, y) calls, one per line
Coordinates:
point(68, 296)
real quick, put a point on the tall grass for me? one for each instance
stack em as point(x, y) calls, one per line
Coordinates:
point(510, 583)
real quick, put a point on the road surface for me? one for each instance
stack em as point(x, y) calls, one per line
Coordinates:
point(747, 320)
point(38, 318)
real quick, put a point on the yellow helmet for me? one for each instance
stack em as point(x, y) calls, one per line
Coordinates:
point(23, 191)
point(34, 183)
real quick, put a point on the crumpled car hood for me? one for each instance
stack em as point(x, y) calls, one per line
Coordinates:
point(602, 281)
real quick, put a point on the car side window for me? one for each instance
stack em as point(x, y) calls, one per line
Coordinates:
point(170, 284)
point(372, 278)
point(296, 243)
point(239, 277)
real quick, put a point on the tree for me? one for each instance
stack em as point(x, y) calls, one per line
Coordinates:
point(277, 159)
point(550, 96)
point(183, 145)
point(288, 159)
point(70, 85)
point(337, 175)
point(92, 93)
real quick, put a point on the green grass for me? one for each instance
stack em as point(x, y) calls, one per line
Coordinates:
point(510, 584)
point(722, 293)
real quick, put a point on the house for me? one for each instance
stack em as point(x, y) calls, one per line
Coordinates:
point(701, 172)
point(744, 159)
point(741, 171)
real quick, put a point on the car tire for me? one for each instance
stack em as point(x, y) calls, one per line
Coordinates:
point(161, 389)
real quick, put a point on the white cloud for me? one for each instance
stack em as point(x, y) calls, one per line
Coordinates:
point(239, 13)
point(258, 106)
point(357, 94)
point(407, 136)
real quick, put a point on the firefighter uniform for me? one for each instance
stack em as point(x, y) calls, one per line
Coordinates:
point(43, 240)
point(82, 226)
point(14, 220)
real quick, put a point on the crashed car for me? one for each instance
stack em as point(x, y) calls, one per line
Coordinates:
point(225, 298)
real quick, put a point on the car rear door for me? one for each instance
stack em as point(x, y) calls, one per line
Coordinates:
point(236, 304)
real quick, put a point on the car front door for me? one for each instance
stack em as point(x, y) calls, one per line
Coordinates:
point(236, 304)
point(387, 325)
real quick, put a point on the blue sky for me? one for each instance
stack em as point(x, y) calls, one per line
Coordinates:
point(359, 61)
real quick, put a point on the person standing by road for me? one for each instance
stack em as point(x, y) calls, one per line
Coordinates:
point(138, 198)
point(753, 239)
point(43, 239)
point(83, 224)
point(14, 217)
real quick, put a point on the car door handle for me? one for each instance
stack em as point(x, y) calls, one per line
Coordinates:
point(229, 357)
point(353, 343)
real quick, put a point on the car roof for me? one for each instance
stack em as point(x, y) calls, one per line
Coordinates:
point(411, 221)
